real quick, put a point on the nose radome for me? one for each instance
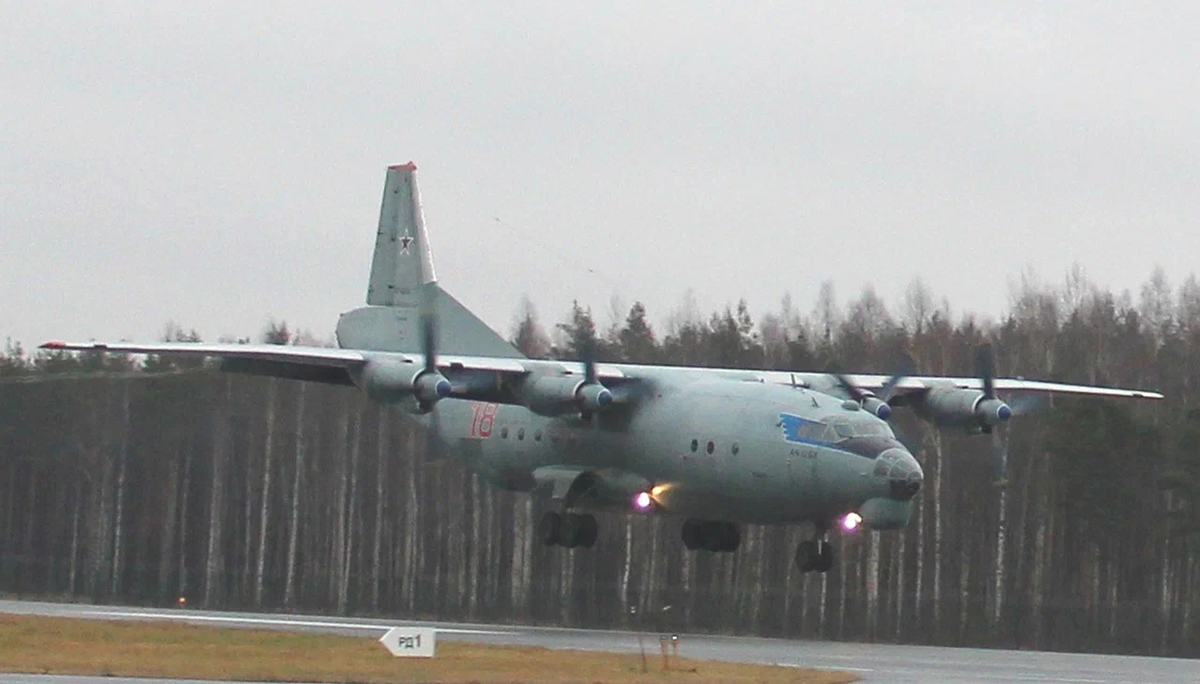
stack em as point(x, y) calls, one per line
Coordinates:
point(905, 477)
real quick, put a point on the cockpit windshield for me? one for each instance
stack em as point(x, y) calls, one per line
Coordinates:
point(860, 434)
point(819, 432)
point(846, 429)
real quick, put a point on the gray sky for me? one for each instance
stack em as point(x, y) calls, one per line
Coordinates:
point(222, 164)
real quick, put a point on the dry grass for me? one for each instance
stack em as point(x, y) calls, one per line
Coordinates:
point(169, 649)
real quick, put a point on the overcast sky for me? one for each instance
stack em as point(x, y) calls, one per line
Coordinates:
point(220, 163)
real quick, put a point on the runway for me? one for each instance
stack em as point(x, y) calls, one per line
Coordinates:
point(871, 662)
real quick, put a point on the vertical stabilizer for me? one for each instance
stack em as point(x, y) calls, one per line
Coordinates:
point(403, 261)
point(401, 274)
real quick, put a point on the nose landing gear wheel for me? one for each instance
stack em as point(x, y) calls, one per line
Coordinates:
point(807, 556)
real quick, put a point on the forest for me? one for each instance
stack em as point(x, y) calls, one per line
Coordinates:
point(147, 481)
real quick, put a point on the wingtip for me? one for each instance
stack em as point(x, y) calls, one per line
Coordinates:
point(53, 344)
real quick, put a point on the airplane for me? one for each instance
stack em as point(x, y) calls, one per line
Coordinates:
point(716, 448)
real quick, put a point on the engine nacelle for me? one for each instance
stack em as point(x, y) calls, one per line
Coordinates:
point(556, 395)
point(948, 406)
point(390, 382)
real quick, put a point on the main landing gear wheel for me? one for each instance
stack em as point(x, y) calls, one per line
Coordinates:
point(568, 529)
point(814, 556)
point(717, 536)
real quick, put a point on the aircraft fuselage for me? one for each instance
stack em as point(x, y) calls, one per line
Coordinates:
point(705, 449)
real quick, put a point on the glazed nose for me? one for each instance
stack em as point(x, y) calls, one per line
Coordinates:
point(905, 475)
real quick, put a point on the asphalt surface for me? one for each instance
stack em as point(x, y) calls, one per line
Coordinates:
point(871, 662)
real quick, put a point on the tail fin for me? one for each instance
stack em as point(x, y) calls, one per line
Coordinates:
point(403, 262)
point(401, 268)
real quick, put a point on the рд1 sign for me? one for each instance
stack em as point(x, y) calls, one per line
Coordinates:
point(411, 642)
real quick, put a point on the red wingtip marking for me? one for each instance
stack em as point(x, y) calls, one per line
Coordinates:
point(404, 167)
point(54, 345)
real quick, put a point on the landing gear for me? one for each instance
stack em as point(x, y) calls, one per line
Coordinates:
point(568, 529)
point(717, 536)
point(815, 555)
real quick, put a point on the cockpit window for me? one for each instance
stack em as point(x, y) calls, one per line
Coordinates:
point(865, 428)
point(862, 435)
point(812, 431)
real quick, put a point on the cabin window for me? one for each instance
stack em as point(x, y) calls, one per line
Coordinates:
point(521, 433)
point(537, 436)
point(695, 445)
point(504, 432)
point(710, 447)
point(734, 448)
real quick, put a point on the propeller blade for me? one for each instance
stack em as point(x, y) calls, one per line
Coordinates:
point(906, 368)
point(999, 458)
point(885, 392)
point(431, 436)
point(855, 393)
point(589, 361)
point(429, 338)
point(985, 368)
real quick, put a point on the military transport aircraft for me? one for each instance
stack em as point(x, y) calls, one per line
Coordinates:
point(714, 447)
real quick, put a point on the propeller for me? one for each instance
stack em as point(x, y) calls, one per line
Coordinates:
point(876, 404)
point(592, 394)
point(985, 368)
point(429, 347)
point(990, 410)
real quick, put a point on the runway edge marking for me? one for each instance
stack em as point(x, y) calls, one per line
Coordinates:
point(276, 621)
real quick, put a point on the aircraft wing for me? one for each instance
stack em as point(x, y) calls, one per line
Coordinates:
point(316, 364)
point(919, 383)
point(334, 365)
point(315, 356)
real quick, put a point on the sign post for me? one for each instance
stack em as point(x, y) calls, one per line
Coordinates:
point(410, 642)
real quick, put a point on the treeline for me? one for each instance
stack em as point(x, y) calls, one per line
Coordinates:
point(144, 482)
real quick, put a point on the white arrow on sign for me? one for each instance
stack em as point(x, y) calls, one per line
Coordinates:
point(410, 642)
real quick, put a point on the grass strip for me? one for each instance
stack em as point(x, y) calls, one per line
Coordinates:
point(51, 645)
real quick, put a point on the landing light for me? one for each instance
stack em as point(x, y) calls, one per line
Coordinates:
point(642, 501)
point(851, 521)
point(657, 489)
